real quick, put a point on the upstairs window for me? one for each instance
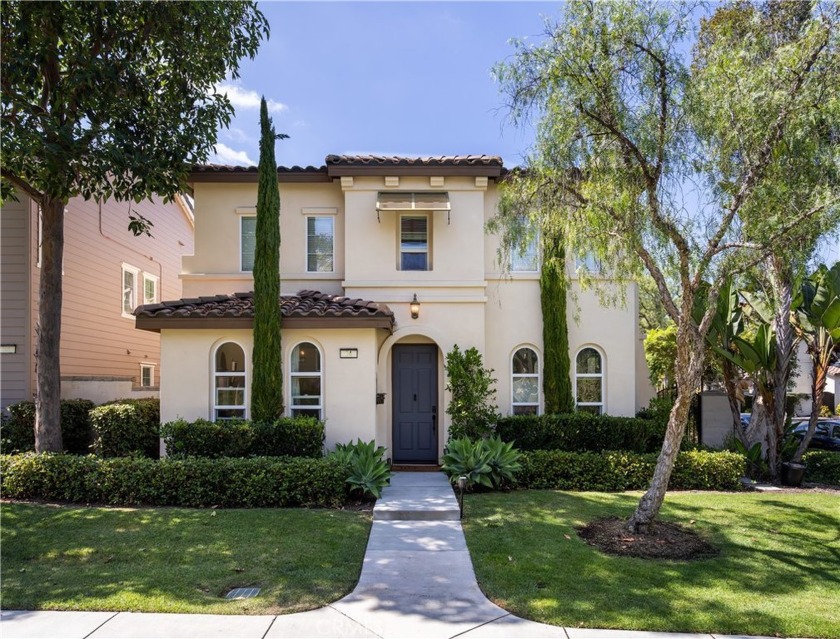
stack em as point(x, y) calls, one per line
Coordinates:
point(129, 289)
point(247, 242)
point(306, 380)
point(147, 375)
point(229, 382)
point(523, 259)
point(589, 381)
point(525, 382)
point(414, 243)
point(150, 289)
point(320, 244)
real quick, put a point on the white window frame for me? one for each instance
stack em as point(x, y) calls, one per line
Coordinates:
point(148, 277)
point(428, 251)
point(602, 375)
point(215, 374)
point(320, 375)
point(150, 367)
point(40, 238)
point(531, 248)
point(537, 376)
point(331, 218)
point(242, 217)
point(128, 268)
point(584, 262)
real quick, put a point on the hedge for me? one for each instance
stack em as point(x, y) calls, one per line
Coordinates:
point(288, 436)
point(581, 432)
point(76, 433)
point(127, 427)
point(619, 470)
point(822, 467)
point(229, 483)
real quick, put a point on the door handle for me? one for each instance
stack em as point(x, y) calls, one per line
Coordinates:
point(415, 397)
point(434, 419)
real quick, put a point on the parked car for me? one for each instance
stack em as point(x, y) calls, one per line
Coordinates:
point(827, 435)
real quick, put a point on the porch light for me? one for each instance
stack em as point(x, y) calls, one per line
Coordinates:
point(462, 486)
point(415, 307)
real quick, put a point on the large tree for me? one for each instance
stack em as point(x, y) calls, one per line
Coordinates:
point(658, 161)
point(267, 386)
point(108, 100)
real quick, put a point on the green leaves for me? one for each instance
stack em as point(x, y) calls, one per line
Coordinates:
point(369, 473)
point(490, 463)
point(473, 413)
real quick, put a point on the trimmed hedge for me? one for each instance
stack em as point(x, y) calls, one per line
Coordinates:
point(582, 432)
point(76, 433)
point(127, 428)
point(229, 483)
point(288, 436)
point(822, 466)
point(619, 470)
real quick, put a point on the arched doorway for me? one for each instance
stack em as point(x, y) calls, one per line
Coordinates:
point(414, 387)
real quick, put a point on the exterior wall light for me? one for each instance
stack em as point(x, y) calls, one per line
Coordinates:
point(415, 307)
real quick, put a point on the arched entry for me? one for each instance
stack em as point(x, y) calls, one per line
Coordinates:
point(414, 381)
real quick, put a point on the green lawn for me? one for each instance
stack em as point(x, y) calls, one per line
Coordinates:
point(778, 570)
point(178, 559)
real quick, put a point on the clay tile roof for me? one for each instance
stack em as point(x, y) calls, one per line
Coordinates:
point(230, 168)
point(306, 309)
point(394, 160)
point(231, 173)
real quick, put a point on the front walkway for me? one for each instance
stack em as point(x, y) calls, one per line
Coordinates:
point(417, 581)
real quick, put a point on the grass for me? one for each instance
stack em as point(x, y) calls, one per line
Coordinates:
point(177, 559)
point(778, 571)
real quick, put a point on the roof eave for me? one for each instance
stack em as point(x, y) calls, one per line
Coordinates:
point(156, 324)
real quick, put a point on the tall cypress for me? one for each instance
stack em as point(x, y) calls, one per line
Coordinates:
point(267, 385)
point(557, 385)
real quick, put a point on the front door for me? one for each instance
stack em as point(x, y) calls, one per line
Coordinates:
point(414, 392)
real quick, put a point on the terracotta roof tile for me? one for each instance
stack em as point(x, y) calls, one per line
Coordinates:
point(394, 160)
point(230, 168)
point(305, 305)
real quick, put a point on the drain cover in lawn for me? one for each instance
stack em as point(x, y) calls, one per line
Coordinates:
point(242, 593)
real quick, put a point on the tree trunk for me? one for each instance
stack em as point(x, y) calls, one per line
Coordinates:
point(688, 372)
point(48, 330)
point(732, 395)
point(819, 374)
point(783, 292)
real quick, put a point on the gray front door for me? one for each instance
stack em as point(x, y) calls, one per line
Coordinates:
point(414, 392)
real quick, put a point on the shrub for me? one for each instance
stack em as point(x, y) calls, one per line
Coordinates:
point(194, 482)
point(368, 472)
point(294, 437)
point(581, 432)
point(471, 404)
point(76, 434)
point(822, 466)
point(491, 463)
point(619, 470)
point(126, 427)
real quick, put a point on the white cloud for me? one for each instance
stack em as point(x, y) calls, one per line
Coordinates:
point(236, 134)
point(242, 98)
point(226, 155)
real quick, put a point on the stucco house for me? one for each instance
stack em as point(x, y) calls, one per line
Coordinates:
point(385, 266)
point(107, 272)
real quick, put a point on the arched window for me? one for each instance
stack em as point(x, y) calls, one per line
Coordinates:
point(229, 396)
point(307, 375)
point(525, 382)
point(589, 381)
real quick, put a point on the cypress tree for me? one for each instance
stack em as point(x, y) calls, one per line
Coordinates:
point(267, 385)
point(557, 385)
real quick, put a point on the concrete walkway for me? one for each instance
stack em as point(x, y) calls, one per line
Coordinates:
point(417, 581)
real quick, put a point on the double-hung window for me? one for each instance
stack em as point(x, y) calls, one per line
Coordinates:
point(147, 375)
point(150, 288)
point(524, 258)
point(414, 243)
point(320, 244)
point(247, 242)
point(589, 381)
point(307, 375)
point(130, 275)
point(229, 383)
point(525, 382)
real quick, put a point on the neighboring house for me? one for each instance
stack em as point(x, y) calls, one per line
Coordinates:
point(107, 272)
point(385, 266)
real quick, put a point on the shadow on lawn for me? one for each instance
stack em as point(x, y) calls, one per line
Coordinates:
point(176, 559)
point(530, 560)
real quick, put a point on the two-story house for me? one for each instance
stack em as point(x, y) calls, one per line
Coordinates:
point(385, 266)
point(106, 273)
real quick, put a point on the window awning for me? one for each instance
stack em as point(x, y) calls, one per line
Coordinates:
point(424, 201)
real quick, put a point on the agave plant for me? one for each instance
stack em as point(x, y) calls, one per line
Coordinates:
point(503, 462)
point(465, 458)
point(369, 473)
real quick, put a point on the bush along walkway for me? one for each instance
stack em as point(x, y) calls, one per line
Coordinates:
point(417, 581)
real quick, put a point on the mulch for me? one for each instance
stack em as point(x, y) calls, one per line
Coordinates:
point(664, 540)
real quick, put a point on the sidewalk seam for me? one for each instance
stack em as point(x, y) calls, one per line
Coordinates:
point(353, 620)
point(102, 624)
point(481, 625)
point(265, 634)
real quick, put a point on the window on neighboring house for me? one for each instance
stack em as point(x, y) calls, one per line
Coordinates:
point(589, 381)
point(320, 244)
point(524, 258)
point(129, 289)
point(150, 288)
point(525, 382)
point(147, 375)
point(306, 378)
point(229, 382)
point(414, 243)
point(247, 241)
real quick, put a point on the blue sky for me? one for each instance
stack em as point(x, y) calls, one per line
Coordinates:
point(402, 78)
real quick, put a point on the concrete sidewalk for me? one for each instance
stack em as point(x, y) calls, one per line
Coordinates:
point(417, 581)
